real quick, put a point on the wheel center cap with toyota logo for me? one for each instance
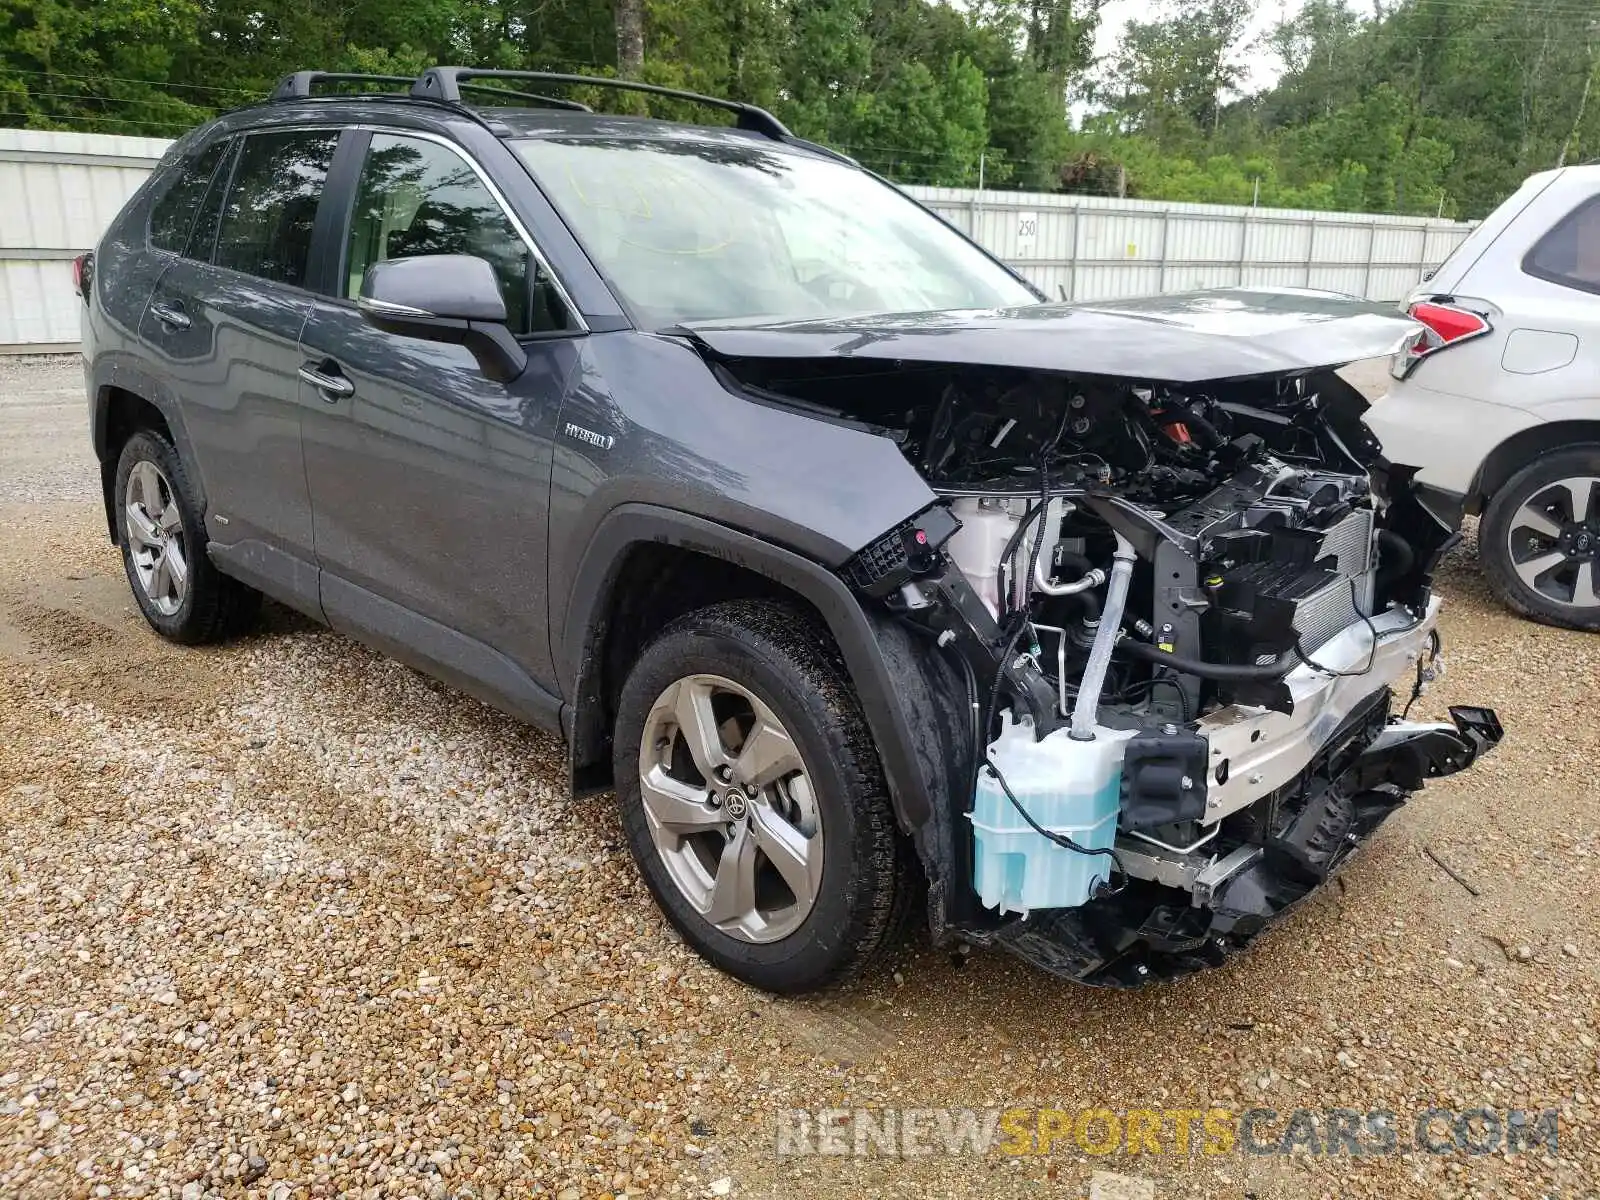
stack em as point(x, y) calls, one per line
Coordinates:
point(735, 805)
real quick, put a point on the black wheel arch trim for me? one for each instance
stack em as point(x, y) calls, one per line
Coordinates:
point(120, 374)
point(1521, 450)
point(629, 525)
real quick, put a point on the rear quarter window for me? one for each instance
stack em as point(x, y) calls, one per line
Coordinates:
point(1569, 254)
point(172, 216)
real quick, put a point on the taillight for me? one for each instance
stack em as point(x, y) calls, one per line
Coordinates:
point(83, 273)
point(1443, 326)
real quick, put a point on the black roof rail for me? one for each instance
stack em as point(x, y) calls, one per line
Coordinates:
point(445, 83)
point(548, 101)
point(301, 85)
point(297, 85)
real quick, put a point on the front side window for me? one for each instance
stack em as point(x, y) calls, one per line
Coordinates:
point(417, 197)
point(271, 208)
point(1570, 253)
point(703, 229)
point(172, 216)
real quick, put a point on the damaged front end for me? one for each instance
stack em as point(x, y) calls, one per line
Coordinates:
point(1148, 632)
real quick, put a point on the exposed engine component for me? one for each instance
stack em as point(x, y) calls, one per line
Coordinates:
point(992, 555)
point(1178, 611)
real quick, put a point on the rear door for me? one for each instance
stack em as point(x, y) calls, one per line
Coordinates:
point(224, 321)
point(146, 239)
point(430, 482)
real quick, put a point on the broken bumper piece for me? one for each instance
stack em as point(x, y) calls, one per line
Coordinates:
point(1191, 915)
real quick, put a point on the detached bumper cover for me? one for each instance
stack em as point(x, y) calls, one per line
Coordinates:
point(1315, 823)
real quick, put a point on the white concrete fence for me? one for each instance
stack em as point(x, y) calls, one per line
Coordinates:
point(58, 191)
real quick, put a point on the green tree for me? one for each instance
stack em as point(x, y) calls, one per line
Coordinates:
point(98, 66)
point(1172, 77)
point(825, 65)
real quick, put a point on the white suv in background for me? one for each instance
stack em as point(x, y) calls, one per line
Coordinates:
point(1497, 400)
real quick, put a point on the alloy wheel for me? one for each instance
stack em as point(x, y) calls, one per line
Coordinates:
point(155, 538)
point(1554, 540)
point(730, 808)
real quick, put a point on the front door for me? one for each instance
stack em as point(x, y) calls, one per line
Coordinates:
point(430, 482)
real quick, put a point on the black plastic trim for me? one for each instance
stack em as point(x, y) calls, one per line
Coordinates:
point(631, 524)
point(463, 662)
point(330, 235)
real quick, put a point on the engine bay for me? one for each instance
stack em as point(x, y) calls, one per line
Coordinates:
point(1177, 612)
point(1256, 523)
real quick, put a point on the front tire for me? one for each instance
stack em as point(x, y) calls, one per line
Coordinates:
point(753, 800)
point(1540, 539)
point(161, 530)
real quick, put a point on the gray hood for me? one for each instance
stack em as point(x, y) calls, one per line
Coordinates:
point(1192, 337)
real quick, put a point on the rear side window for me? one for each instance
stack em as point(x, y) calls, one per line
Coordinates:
point(1570, 253)
point(271, 207)
point(173, 214)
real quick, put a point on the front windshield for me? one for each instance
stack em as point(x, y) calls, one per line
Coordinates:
point(703, 229)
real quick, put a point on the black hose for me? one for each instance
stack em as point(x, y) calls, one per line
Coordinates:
point(1207, 430)
point(1221, 672)
point(979, 736)
point(1076, 566)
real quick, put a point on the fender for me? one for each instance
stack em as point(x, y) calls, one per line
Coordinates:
point(876, 686)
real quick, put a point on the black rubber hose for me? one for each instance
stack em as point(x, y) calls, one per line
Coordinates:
point(1076, 566)
point(1209, 431)
point(1221, 672)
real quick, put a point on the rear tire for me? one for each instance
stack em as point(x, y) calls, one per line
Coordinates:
point(819, 804)
point(161, 530)
point(1539, 541)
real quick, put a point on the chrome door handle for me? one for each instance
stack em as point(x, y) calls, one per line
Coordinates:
point(332, 387)
point(172, 318)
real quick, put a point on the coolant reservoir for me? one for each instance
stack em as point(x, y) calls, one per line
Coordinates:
point(1066, 786)
point(987, 524)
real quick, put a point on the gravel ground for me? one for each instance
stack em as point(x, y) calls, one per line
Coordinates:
point(44, 445)
point(284, 919)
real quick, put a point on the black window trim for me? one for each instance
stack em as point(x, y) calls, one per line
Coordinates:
point(1529, 267)
point(173, 175)
point(334, 215)
point(346, 204)
point(340, 188)
point(222, 183)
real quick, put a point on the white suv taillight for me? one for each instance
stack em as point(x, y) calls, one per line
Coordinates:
point(1443, 326)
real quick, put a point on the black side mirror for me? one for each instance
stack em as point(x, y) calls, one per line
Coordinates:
point(444, 298)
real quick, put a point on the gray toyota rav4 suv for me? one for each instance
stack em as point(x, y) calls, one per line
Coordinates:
point(869, 582)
